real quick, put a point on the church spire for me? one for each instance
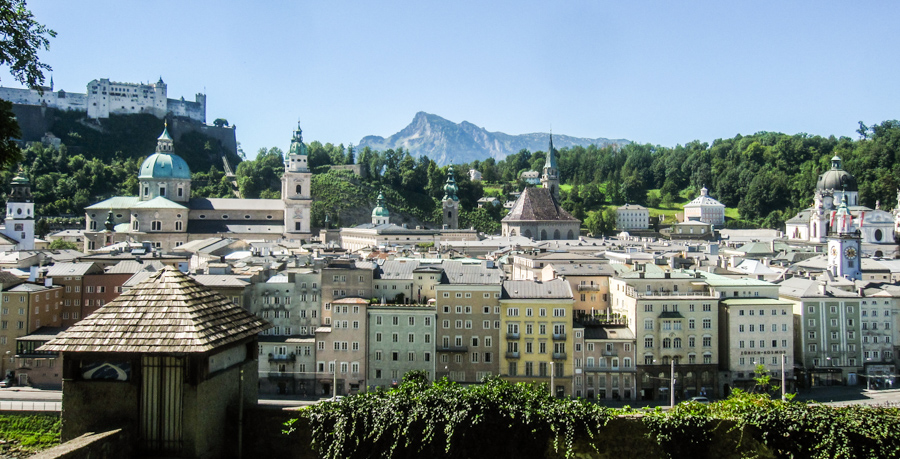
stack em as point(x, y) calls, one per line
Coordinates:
point(550, 177)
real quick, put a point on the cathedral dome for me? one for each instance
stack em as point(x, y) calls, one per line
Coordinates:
point(837, 178)
point(164, 166)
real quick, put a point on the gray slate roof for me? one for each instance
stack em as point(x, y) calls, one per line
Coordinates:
point(73, 269)
point(554, 289)
point(536, 204)
point(168, 313)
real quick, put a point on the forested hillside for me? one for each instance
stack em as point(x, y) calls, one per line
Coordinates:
point(767, 176)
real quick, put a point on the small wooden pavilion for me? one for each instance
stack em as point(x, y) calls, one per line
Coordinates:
point(170, 360)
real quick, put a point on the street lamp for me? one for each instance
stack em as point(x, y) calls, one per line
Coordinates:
point(783, 379)
point(672, 388)
point(551, 380)
point(334, 386)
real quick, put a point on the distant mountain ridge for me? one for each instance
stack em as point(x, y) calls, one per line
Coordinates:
point(447, 142)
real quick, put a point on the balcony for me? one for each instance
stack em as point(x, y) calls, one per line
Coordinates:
point(281, 358)
point(588, 288)
point(280, 375)
point(559, 356)
point(510, 335)
point(597, 369)
point(559, 336)
point(452, 348)
point(512, 355)
point(610, 353)
point(661, 294)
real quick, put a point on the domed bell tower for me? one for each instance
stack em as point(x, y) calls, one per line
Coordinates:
point(844, 251)
point(20, 213)
point(450, 202)
point(295, 186)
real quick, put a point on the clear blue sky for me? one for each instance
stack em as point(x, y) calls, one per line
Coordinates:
point(656, 72)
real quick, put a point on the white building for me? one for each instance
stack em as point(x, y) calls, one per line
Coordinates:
point(834, 187)
point(632, 217)
point(705, 209)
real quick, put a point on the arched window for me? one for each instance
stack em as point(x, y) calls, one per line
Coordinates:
point(527, 233)
point(556, 234)
point(878, 235)
point(543, 235)
point(299, 189)
point(570, 235)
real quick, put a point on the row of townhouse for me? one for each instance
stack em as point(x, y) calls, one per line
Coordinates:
point(459, 319)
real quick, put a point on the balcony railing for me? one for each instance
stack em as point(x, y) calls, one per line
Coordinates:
point(512, 355)
point(666, 293)
point(282, 358)
point(280, 375)
point(597, 369)
point(512, 335)
point(452, 348)
point(559, 356)
point(588, 288)
point(559, 336)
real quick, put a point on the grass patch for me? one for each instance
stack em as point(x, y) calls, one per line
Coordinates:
point(29, 432)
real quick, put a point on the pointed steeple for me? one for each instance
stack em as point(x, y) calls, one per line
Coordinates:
point(297, 145)
point(550, 177)
point(551, 156)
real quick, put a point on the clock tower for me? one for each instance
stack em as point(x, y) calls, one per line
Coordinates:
point(844, 246)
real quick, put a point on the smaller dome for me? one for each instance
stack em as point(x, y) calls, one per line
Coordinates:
point(836, 178)
point(164, 166)
point(381, 209)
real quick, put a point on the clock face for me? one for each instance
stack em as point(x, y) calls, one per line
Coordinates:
point(850, 252)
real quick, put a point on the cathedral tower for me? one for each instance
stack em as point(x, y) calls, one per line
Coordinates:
point(295, 187)
point(450, 202)
point(20, 213)
point(843, 245)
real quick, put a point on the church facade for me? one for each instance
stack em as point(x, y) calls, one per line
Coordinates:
point(537, 213)
point(834, 188)
point(165, 215)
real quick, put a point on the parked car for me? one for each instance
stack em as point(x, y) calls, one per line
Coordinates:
point(703, 400)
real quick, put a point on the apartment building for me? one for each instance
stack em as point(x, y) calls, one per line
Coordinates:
point(589, 283)
point(605, 354)
point(674, 317)
point(26, 308)
point(401, 338)
point(289, 300)
point(755, 328)
point(827, 338)
point(71, 277)
point(341, 348)
point(346, 278)
point(468, 321)
point(537, 323)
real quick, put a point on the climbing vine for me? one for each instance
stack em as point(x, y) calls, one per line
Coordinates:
point(444, 419)
point(501, 419)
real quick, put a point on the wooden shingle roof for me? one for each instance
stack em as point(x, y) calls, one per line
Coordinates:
point(167, 313)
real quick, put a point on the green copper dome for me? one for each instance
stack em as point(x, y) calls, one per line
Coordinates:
point(164, 166)
point(381, 209)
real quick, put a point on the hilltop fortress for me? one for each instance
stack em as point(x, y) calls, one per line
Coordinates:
point(104, 97)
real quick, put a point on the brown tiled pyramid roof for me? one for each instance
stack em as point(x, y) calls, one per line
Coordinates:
point(168, 312)
point(536, 204)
